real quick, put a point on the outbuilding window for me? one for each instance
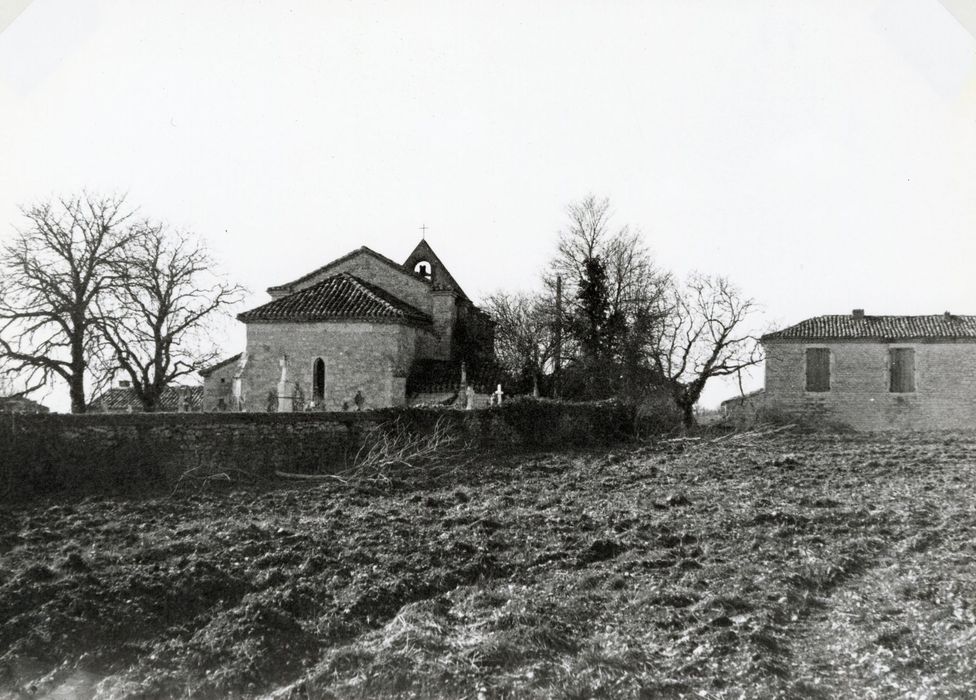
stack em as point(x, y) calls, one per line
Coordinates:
point(818, 369)
point(902, 370)
point(318, 380)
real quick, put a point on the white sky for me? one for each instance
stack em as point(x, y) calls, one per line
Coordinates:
point(822, 154)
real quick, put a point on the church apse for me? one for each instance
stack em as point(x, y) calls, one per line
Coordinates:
point(362, 325)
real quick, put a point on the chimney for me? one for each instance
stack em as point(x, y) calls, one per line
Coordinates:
point(948, 316)
point(858, 313)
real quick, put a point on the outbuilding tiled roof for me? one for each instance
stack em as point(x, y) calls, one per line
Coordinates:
point(173, 399)
point(20, 404)
point(885, 328)
point(341, 297)
point(743, 398)
point(207, 371)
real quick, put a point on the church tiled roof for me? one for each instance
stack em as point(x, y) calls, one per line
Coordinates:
point(886, 328)
point(340, 297)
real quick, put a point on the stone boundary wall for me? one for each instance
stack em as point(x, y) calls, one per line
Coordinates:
point(125, 453)
point(66, 455)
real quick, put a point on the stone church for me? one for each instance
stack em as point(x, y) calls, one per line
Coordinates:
point(362, 331)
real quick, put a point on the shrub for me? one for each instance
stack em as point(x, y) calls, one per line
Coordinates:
point(656, 413)
point(544, 422)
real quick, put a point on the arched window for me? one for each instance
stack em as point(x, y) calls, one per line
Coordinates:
point(422, 268)
point(318, 380)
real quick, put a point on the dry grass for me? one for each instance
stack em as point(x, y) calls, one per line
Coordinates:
point(392, 453)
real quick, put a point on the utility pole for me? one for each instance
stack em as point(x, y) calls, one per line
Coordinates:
point(558, 359)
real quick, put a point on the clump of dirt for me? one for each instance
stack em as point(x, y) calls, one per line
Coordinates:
point(251, 646)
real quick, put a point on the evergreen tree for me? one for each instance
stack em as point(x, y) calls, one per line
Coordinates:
point(591, 320)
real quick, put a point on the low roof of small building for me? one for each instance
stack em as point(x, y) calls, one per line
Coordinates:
point(174, 399)
point(859, 326)
point(743, 397)
point(342, 297)
point(207, 371)
point(21, 404)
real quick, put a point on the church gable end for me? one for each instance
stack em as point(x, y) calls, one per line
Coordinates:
point(423, 261)
point(368, 265)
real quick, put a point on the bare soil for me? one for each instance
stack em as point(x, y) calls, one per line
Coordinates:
point(816, 566)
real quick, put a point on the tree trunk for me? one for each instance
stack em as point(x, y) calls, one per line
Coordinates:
point(76, 389)
point(685, 403)
point(76, 382)
point(150, 401)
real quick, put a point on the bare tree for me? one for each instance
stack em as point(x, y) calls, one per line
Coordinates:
point(614, 296)
point(634, 284)
point(633, 280)
point(524, 338)
point(586, 237)
point(156, 319)
point(702, 336)
point(53, 273)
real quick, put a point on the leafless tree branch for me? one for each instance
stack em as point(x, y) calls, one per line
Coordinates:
point(155, 319)
point(702, 337)
point(53, 273)
point(524, 338)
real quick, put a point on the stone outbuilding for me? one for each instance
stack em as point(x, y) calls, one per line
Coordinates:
point(218, 384)
point(744, 410)
point(354, 334)
point(875, 372)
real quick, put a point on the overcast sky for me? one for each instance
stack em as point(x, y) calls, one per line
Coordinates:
point(820, 154)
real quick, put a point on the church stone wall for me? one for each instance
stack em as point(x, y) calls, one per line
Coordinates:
point(444, 313)
point(372, 358)
point(402, 285)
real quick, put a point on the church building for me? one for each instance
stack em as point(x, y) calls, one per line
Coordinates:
point(362, 331)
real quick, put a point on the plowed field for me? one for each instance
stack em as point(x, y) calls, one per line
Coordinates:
point(794, 565)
